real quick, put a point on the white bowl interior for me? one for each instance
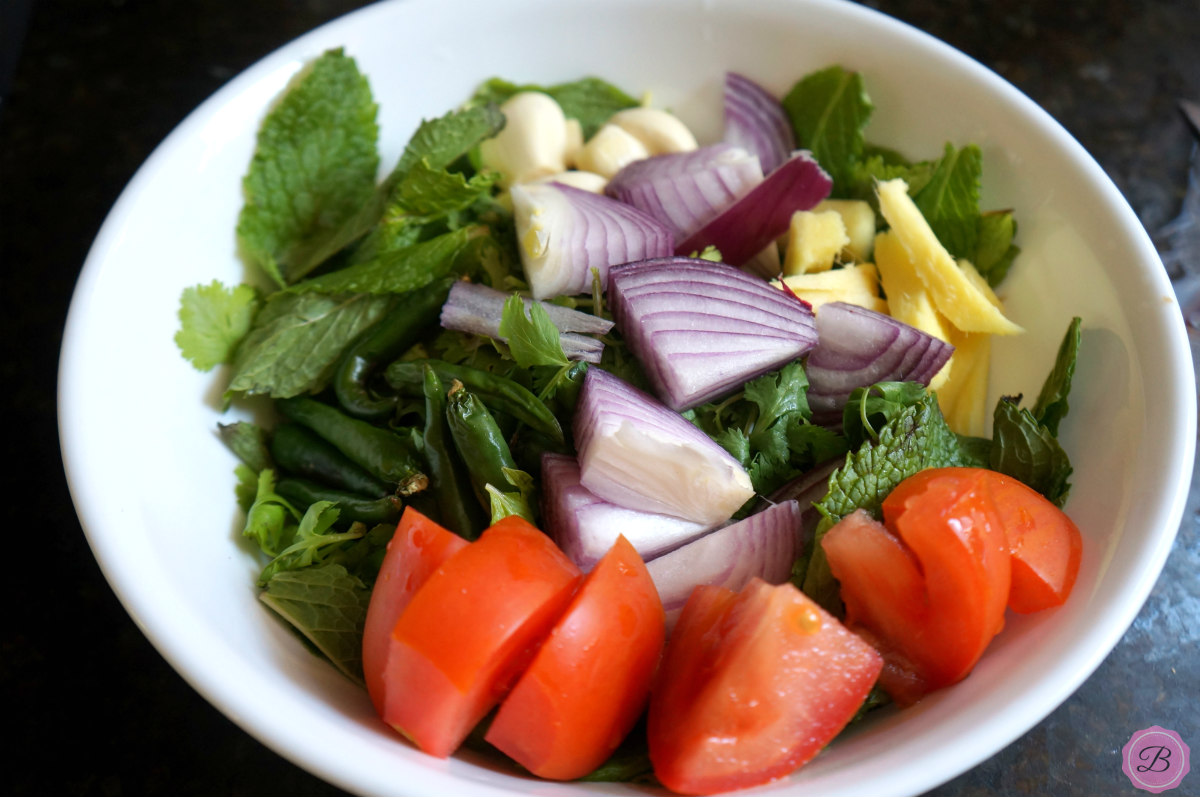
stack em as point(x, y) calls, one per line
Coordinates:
point(154, 487)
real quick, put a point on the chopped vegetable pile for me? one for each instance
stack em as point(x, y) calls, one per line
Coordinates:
point(625, 455)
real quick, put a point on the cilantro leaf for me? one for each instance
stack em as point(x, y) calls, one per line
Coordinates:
point(532, 339)
point(829, 111)
point(870, 408)
point(269, 518)
point(950, 200)
point(297, 340)
point(519, 502)
point(313, 168)
point(590, 100)
point(212, 320)
point(328, 605)
point(309, 539)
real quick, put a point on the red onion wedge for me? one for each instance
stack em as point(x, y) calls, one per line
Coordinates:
point(763, 545)
point(749, 225)
point(637, 453)
point(701, 330)
point(563, 233)
point(686, 190)
point(477, 309)
point(585, 526)
point(755, 121)
point(858, 347)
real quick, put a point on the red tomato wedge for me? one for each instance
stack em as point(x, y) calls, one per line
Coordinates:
point(416, 550)
point(929, 586)
point(471, 630)
point(752, 685)
point(590, 679)
point(1045, 544)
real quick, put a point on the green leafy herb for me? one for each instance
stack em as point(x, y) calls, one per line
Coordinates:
point(328, 605)
point(950, 200)
point(995, 251)
point(1051, 405)
point(396, 271)
point(590, 100)
point(869, 409)
point(212, 320)
point(532, 339)
point(313, 534)
point(297, 340)
point(829, 111)
point(270, 516)
point(442, 141)
point(313, 168)
point(519, 502)
point(248, 441)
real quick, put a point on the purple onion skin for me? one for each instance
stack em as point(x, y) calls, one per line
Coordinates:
point(755, 121)
point(857, 347)
point(747, 226)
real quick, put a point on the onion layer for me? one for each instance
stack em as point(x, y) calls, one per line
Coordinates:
point(637, 453)
point(563, 233)
point(686, 190)
point(701, 330)
point(755, 121)
point(858, 347)
point(585, 526)
point(763, 545)
point(749, 225)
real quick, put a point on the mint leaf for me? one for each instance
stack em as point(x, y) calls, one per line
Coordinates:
point(1051, 406)
point(328, 606)
point(590, 100)
point(313, 168)
point(995, 250)
point(1028, 451)
point(395, 271)
point(248, 441)
point(212, 320)
point(532, 339)
point(297, 340)
point(950, 200)
point(915, 439)
point(440, 142)
point(829, 111)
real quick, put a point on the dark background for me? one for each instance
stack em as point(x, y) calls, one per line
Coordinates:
point(94, 85)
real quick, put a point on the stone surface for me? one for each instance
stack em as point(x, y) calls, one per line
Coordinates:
point(100, 82)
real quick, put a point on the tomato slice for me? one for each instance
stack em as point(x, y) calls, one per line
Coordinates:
point(1045, 544)
point(752, 685)
point(417, 548)
point(928, 587)
point(470, 630)
point(590, 679)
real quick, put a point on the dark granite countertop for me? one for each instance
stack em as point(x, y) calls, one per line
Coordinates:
point(95, 710)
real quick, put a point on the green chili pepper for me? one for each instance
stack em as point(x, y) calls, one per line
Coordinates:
point(352, 507)
point(499, 393)
point(381, 343)
point(479, 442)
point(303, 452)
point(382, 452)
point(448, 480)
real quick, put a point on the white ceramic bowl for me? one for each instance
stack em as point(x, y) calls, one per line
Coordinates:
point(158, 507)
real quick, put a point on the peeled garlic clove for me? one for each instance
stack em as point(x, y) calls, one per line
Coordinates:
point(533, 142)
point(659, 131)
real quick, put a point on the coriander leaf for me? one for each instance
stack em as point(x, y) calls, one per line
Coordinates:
point(396, 271)
point(950, 200)
point(313, 168)
point(1051, 405)
point(246, 488)
point(212, 320)
point(328, 606)
point(1028, 451)
point(270, 517)
point(311, 537)
point(590, 100)
point(519, 503)
point(297, 340)
point(532, 339)
point(870, 408)
point(248, 441)
point(829, 110)
point(880, 166)
point(995, 250)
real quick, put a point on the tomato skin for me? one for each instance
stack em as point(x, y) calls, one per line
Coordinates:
point(470, 631)
point(929, 586)
point(752, 685)
point(417, 548)
point(1045, 544)
point(590, 679)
